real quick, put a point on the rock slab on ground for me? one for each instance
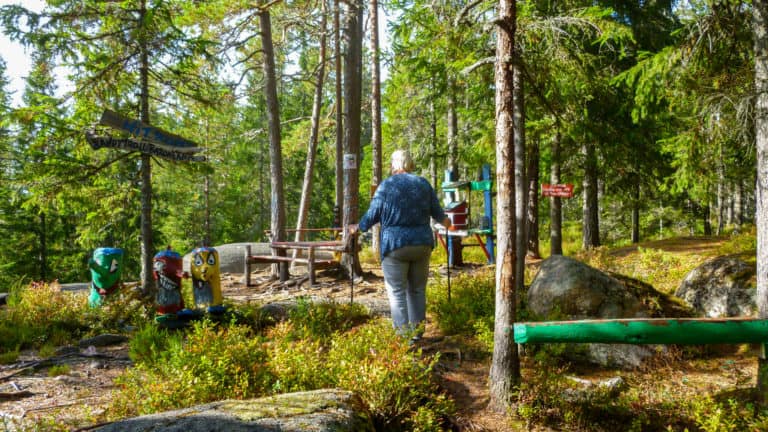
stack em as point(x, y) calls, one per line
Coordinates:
point(313, 411)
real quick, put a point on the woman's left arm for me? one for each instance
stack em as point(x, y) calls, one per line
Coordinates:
point(435, 209)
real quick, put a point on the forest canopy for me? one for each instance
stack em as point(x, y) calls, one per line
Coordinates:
point(647, 108)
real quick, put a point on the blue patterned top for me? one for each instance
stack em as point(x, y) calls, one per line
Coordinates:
point(403, 204)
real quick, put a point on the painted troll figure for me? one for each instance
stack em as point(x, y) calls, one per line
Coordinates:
point(106, 267)
point(167, 271)
point(206, 281)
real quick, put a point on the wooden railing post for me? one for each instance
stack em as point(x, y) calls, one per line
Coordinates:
point(311, 265)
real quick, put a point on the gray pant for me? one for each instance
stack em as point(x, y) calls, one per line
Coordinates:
point(405, 275)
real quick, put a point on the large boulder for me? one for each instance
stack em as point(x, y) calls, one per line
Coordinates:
point(721, 287)
point(567, 289)
point(314, 411)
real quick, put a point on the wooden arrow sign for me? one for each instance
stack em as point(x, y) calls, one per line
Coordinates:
point(147, 147)
point(147, 133)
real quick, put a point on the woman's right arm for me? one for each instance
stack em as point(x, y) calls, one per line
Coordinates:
point(373, 215)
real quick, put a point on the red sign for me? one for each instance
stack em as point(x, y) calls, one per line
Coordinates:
point(557, 190)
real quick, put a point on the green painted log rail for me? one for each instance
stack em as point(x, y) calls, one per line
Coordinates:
point(682, 331)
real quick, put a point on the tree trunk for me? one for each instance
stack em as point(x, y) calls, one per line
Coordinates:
point(721, 200)
point(207, 194)
point(532, 225)
point(636, 212)
point(738, 203)
point(377, 175)
point(453, 129)
point(277, 201)
point(556, 205)
point(590, 228)
point(730, 193)
point(339, 202)
point(353, 76)
point(521, 184)
point(309, 169)
point(707, 223)
point(43, 248)
point(505, 366)
point(760, 26)
point(147, 253)
point(262, 187)
point(433, 171)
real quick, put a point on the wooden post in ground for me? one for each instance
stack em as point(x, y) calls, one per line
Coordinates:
point(247, 266)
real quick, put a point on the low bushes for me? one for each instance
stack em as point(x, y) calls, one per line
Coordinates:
point(321, 345)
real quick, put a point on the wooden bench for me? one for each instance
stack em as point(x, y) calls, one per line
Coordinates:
point(311, 261)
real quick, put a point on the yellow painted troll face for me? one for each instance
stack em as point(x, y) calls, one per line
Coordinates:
point(206, 281)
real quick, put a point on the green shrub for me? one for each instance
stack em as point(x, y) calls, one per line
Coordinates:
point(41, 313)
point(597, 257)
point(726, 416)
point(14, 336)
point(57, 370)
point(395, 382)
point(471, 306)
point(47, 350)
point(251, 315)
point(9, 357)
point(742, 243)
point(431, 416)
point(212, 363)
point(318, 347)
point(548, 397)
point(297, 364)
point(484, 334)
point(321, 319)
point(661, 269)
point(471, 254)
point(149, 344)
point(123, 308)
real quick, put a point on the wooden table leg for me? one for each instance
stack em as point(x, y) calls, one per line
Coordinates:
point(247, 266)
point(311, 266)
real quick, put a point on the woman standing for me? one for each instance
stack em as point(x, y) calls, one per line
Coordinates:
point(403, 205)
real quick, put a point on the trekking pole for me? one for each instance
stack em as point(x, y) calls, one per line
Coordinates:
point(352, 268)
point(448, 252)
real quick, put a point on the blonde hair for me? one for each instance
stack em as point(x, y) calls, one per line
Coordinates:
point(402, 161)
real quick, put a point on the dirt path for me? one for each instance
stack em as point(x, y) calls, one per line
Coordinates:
point(30, 390)
point(703, 245)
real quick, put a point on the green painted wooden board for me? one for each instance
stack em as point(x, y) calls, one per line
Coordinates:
point(684, 331)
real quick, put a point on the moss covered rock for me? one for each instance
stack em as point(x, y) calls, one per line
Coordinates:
point(315, 411)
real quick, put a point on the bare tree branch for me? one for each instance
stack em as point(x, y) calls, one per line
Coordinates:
point(482, 62)
point(464, 11)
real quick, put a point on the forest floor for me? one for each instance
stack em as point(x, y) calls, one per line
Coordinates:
point(29, 392)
